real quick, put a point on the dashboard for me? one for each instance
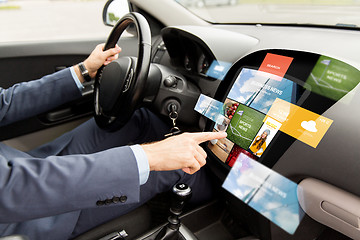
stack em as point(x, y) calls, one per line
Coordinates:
point(241, 50)
point(286, 97)
point(190, 55)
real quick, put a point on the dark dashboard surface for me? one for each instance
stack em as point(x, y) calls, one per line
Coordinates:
point(192, 49)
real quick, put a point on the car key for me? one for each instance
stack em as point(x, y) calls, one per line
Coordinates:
point(173, 115)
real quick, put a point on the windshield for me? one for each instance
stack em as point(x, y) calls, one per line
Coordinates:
point(343, 13)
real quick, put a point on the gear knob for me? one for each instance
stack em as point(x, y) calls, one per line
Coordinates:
point(182, 193)
point(182, 190)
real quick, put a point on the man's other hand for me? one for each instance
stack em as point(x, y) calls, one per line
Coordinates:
point(179, 152)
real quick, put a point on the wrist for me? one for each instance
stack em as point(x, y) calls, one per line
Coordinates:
point(149, 152)
point(92, 72)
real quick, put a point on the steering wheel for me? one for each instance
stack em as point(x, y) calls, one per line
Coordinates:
point(120, 86)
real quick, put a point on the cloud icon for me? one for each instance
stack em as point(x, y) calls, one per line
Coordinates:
point(309, 126)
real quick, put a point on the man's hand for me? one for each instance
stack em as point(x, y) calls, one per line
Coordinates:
point(97, 58)
point(179, 152)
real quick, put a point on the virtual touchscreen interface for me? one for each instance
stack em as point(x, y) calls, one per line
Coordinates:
point(260, 104)
point(250, 130)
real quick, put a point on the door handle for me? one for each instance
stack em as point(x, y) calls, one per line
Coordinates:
point(59, 115)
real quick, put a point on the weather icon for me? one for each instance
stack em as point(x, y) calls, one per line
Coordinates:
point(309, 126)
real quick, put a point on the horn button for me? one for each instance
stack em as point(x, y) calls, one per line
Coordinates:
point(115, 80)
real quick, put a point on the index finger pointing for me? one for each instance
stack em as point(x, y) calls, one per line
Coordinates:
point(206, 136)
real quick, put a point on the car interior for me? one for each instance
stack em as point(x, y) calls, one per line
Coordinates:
point(246, 79)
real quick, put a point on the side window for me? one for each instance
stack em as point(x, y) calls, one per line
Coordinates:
point(42, 20)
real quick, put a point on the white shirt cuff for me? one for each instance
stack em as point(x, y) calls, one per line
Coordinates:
point(142, 162)
point(76, 79)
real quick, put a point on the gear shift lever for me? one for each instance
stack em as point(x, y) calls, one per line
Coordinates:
point(182, 193)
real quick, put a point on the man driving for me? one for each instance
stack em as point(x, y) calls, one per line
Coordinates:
point(88, 176)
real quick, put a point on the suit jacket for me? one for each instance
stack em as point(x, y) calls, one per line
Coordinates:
point(42, 197)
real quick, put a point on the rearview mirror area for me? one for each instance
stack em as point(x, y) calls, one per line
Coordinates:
point(114, 10)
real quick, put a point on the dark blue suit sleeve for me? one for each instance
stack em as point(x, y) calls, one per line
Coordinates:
point(28, 99)
point(39, 187)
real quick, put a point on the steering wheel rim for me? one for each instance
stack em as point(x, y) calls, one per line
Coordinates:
point(130, 89)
